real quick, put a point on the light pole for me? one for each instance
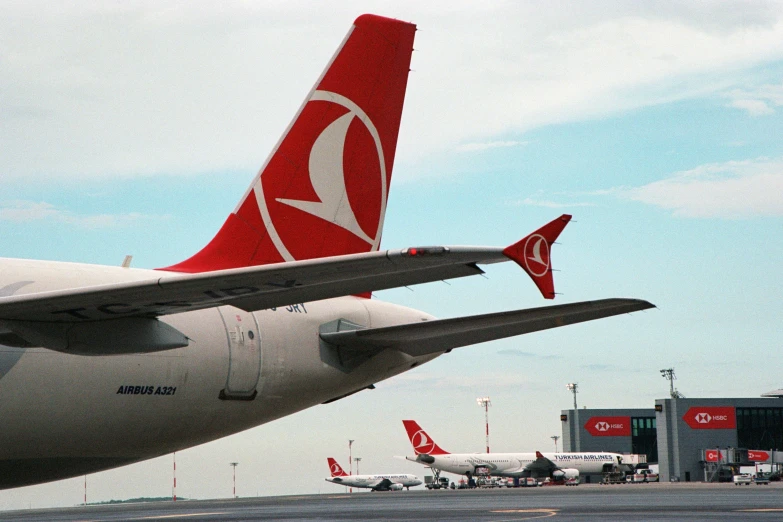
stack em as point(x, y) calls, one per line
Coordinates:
point(668, 374)
point(174, 490)
point(350, 461)
point(554, 438)
point(234, 465)
point(485, 403)
point(573, 387)
point(357, 460)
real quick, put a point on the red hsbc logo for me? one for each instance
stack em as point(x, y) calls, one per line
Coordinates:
point(712, 455)
point(758, 456)
point(710, 418)
point(609, 426)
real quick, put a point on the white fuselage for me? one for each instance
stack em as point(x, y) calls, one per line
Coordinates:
point(64, 415)
point(513, 464)
point(371, 481)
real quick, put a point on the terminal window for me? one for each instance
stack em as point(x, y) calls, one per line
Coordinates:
point(760, 428)
point(644, 437)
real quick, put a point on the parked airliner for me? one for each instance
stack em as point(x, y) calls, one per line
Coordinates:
point(102, 366)
point(390, 482)
point(558, 466)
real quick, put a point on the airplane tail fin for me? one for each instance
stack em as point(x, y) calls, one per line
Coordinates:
point(323, 190)
point(335, 469)
point(532, 253)
point(421, 442)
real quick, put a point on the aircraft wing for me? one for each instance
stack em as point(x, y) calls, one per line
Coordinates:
point(444, 334)
point(281, 284)
point(251, 288)
point(542, 466)
point(381, 485)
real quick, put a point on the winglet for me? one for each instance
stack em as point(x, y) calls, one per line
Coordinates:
point(421, 442)
point(539, 455)
point(532, 253)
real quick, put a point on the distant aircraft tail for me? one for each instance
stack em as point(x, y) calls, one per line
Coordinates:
point(421, 442)
point(532, 253)
point(323, 190)
point(335, 469)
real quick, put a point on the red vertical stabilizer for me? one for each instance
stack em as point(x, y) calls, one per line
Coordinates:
point(421, 442)
point(335, 469)
point(323, 190)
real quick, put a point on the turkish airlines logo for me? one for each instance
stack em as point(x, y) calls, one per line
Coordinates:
point(336, 469)
point(710, 417)
point(537, 255)
point(350, 138)
point(422, 443)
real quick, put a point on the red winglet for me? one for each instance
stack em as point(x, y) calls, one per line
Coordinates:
point(539, 455)
point(532, 254)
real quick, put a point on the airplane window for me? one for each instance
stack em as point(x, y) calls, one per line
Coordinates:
point(250, 334)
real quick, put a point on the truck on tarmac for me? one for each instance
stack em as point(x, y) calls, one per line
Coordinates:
point(431, 482)
point(641, 476)
point(761, 479)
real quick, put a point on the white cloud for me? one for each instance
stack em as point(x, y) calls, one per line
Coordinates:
point(549, 204)
point(733, 190)
point(754, 107)
point(480, 147)
point(92, 90)
point(758, 102)
point(412, 382)
point(26, 211)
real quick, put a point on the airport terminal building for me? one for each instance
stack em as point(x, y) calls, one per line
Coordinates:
point(690, 439)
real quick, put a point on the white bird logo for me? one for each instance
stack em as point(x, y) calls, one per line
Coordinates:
point(537, 250)
point(328, 179)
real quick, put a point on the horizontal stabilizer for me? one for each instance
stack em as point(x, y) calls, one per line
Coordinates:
point(430, 337)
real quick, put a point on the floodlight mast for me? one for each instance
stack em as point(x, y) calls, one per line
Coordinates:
point(573, 386)
point(350, 461)
point(668, 374)
point(555, 438)
point(234, 465)
point(485, 403)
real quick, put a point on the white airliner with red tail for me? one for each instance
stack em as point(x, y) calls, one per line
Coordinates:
point(102, 366)
point(390, 482)
point(557, 466)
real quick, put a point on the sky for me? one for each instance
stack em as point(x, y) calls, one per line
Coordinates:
point(135, 127)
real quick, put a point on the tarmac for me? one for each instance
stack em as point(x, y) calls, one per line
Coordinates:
point(587, 502)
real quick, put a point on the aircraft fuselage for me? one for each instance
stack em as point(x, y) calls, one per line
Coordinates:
point(64, 415)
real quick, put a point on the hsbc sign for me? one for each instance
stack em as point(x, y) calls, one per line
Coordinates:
point(710, 418)
point(609, 426)
point(758, 456)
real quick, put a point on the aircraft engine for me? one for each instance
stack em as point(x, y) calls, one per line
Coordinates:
point(565, 473)
point(396, 487)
